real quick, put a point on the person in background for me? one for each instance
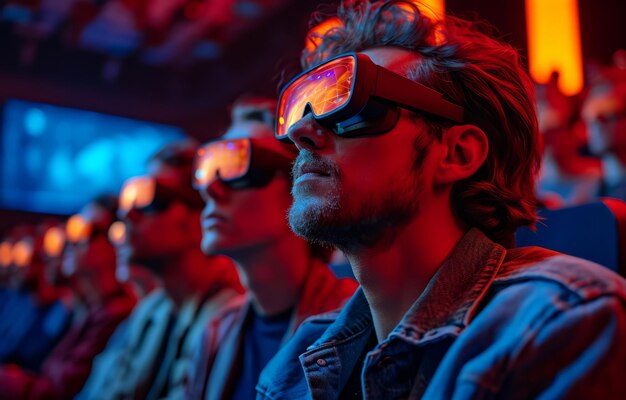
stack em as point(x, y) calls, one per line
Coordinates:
point(89, 264)
point(418, 152)
point(244, 179)
point(36, 313)
point(604, 113)
point(151, 358)
point(567, 176)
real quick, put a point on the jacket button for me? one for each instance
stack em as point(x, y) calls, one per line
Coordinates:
point(321, 362)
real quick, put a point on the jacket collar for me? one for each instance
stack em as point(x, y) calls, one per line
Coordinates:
point(451, 298)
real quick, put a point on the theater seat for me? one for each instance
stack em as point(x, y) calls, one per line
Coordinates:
point(595, 231)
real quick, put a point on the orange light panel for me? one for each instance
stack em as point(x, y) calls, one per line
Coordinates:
point(553, 30)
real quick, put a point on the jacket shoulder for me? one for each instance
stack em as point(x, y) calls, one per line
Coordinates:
point(582, 277)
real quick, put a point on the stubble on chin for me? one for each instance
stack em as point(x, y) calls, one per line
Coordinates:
point(312, 218)
point(352, 225)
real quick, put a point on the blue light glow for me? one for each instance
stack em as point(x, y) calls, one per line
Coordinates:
point(56, 159)
point(35, 122)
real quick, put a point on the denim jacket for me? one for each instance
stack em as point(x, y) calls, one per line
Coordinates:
point(218, 361)
point(492, 323)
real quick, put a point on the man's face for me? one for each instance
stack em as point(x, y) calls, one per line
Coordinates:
point(351, 192)
point(154, 235)
point(157, 234)
point(239, 220)
point(89, 266)
point(604, 113)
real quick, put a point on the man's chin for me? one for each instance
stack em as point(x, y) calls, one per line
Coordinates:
point(213, 245)
point(308, 218)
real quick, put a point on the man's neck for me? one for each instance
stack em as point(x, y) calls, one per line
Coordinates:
point(274, 273)
point(188, 275)
point(393, 275)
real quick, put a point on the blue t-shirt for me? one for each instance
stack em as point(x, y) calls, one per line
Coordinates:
point(261, 341)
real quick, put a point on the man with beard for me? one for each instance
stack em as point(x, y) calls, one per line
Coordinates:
point(151, 357)
point(244, 179)
point(418, 156)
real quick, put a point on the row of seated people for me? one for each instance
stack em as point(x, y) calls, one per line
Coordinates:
point(584, 137)
point(424, 205)
point(103, 308)
point(158, 296)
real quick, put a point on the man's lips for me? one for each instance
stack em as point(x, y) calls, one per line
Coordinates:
point(210, 220)
point(310, 170)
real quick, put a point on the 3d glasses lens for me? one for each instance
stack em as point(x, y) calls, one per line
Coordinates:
point(117, 233)
point(53, 242)
point(324, 89)
point(137, 192)
point(77, 229)
point(226, 160)
point(6, 253)
point(22, 253)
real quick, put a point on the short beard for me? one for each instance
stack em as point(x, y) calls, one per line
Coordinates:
point(352, 227)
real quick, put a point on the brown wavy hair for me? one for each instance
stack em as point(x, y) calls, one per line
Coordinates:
point(461, 59)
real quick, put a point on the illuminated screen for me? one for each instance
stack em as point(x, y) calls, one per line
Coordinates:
point(56, 159)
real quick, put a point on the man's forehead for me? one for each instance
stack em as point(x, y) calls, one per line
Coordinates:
point(395, 59)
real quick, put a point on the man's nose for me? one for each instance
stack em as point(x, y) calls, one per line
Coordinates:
point(215, 191)
point(308, 134)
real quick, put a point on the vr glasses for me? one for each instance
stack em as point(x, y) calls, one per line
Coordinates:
point(354, 96)
point(6, 253)
point(148, 195)
point(22, 252)
point(240, 163)
point(78, 229)
point(117, 233)
point(54, 242)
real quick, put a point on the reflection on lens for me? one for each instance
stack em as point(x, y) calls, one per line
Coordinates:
point(22, 253)
point(6, 250)
point(325, 89)
point(77, 229)
point(53, 242)
point(137, 192)
point(228, 159)
point(117, 233)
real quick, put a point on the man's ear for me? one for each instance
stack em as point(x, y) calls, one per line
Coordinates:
point(465, 150)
